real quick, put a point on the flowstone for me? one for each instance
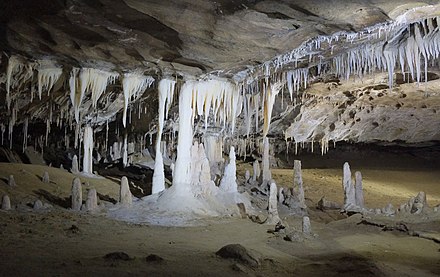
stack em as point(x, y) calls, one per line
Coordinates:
point(125, 197)
point(76, 194)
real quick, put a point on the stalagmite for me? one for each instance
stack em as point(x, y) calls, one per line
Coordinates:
point(76, 194)
point(75, 168)
point(166, 92)
point(247, 176)
point(229, 180)
point(306, 226)
point(125, 152)
point(45, 178)
point(38, 205)
point(88, 150)
point(298, 189)
point(267, 175)
point(125, 197)
point(281, 195)
point(273, 217)
point(6, 203)
point(92, 200)
point(11, 181)
point(257, 171)
point(359, 194)
point(347, 184)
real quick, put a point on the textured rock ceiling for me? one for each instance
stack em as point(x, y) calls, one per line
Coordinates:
point(253, 44)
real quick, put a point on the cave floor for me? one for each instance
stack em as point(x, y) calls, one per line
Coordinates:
point(58, 242)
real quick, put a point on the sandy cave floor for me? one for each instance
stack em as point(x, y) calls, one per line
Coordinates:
point(59, 242)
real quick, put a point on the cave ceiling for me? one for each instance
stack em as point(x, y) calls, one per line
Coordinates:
point(336, 63)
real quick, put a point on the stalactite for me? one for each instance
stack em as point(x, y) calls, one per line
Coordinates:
point(133, 85)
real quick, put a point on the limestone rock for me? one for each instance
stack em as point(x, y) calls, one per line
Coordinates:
point(388, 210)
point(76, 194)
point(6, 202)
point(324, 204)
point(45, 178)
point(92, 200)
point(238, 253)
point(125, 196)
point(38, 205)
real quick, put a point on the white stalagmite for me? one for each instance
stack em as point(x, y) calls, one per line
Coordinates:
point(133, 85)
point(11, 181)
point(88, 150)
point(298, 188)
point(75, 167)
point(76, 194)
point(306, 226)
point(267, 175)
point(6, 203)
point(247, 175)
point(359, 194)
point(166, 92)
point(92, 200)
point(347, 184)
point(125, 152)
point(257, 171)
point(273, 217)
point(45, 178)
point(125, 197)
point(229, 180)
point(48, 75)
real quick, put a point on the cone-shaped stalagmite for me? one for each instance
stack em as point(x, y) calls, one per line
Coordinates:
point(11, 181)
point(6, 203)
point(75, 168)
point(92, 200)
point(359, 194)
point(76, 194)
point(45, 178)
point(125, 197)
point(298, 189)
point(347, 184)
point(273, 217)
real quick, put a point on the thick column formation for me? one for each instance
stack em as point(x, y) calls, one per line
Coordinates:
point(267, 175)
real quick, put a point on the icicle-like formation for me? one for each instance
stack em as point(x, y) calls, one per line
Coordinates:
point(272, 92)
point(88, 150)
point(48, 75)
point(166, 92)
point(296, 79)
point(88, 80)
point(219, 95)
point(133, 85)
